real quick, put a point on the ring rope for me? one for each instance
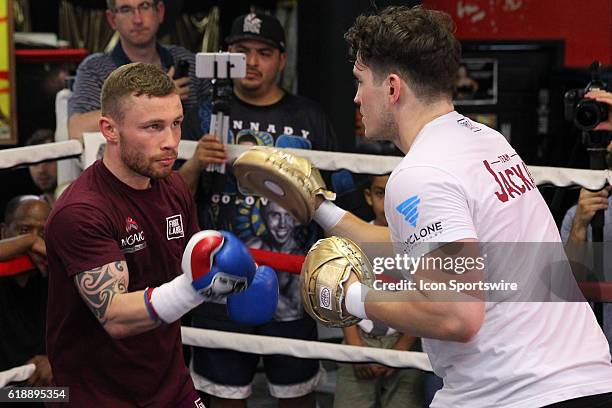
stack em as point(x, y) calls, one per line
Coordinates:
point(27, 155)
point(303, 348)
point(331, 161)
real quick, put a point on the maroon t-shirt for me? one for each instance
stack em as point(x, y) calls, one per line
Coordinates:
point(99, 220)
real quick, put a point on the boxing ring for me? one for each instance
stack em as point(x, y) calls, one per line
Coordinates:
point(75, 156)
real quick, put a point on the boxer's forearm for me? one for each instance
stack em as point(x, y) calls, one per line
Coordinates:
point(359, 231)
point(411, 312)
point(104, 291)
point(127, 316)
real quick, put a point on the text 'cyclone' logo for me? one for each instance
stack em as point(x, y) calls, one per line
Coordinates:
point(409, 208)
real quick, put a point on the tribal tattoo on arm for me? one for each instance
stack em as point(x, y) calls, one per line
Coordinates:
point(100, 285)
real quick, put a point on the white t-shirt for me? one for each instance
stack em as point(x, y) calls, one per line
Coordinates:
point(463, 180)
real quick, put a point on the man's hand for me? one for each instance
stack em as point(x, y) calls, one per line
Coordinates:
point(383, 371)
point(588, 204)
point(38, 254)
point(42, 376)
point(603, 97)
point(182, 84)
point(39, 247)
point(209, 150)
point(366, 371)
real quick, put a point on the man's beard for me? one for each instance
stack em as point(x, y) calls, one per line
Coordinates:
point(609, 159)
point(388, 129)
point(138, 163)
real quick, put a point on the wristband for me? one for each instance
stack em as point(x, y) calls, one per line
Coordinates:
point(147, 299)
point(175, 298)
point(354, 301)
point(328, 215)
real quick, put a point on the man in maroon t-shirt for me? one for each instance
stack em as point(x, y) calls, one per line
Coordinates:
point(115, 242)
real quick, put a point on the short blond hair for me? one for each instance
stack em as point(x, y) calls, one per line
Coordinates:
point(133, 79)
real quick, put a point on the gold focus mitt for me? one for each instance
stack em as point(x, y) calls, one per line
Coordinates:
point(289, 180)
point(328, 265)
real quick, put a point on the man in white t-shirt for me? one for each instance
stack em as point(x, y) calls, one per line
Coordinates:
point(461, 182)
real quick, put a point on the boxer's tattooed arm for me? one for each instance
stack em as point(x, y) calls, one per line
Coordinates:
point(99, 286)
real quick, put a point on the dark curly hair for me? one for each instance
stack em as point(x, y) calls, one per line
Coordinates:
point(416, 43)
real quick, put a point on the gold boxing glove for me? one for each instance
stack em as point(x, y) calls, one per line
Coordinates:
point(289, 180)
point(328, 265)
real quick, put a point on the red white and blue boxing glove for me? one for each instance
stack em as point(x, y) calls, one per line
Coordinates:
point(218, 264)
point(215, 265)
point(257, 304)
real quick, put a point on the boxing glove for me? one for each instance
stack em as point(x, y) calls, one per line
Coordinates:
point(257, 304)
point(218, 264)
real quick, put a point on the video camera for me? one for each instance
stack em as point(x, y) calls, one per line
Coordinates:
point(587, 113)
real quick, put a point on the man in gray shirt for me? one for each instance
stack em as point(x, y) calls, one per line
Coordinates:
point(137, 23)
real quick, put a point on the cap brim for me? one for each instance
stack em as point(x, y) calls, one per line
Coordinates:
point(242, 37)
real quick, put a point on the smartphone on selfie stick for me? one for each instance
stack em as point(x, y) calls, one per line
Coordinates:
point(220, 68)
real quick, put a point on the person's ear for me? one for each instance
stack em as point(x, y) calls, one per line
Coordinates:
point(109, 130)
point(283, 61)
point(110, 17)
point(161, 10)
point(394, 85)
point(367, 194)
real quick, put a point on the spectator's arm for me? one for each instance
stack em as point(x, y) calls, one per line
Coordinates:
point(209, 150)
point(362, 371)
point(351, 336)
point(21, 245)
point(80, 123)
point(404, 342)
point(589, 203)
point(42, 375)
point(84, 103)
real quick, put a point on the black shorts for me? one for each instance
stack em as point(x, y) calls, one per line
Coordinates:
point(236, 369)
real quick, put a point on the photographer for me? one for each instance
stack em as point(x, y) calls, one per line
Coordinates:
point(575, 227)
point(264, 114)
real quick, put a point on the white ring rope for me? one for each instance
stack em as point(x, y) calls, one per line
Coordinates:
point(262, 345)
point(20, 156)
point(356, 163)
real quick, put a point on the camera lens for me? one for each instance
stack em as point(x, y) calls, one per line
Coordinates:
point(589, 113)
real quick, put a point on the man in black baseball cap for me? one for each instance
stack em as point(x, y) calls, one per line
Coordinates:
point(260, 27)
point(267, 115)
point(262, 38)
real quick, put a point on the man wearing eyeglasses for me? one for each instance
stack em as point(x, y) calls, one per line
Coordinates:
point(137, 23)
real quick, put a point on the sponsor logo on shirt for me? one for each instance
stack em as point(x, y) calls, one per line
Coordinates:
point(174, 227)
point(425, 233)
point(512, 176)
point(469, 124)
point(409, 210)
point(130, 224)
point(135, 240)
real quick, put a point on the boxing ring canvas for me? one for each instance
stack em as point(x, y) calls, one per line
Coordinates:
point(8, 116)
